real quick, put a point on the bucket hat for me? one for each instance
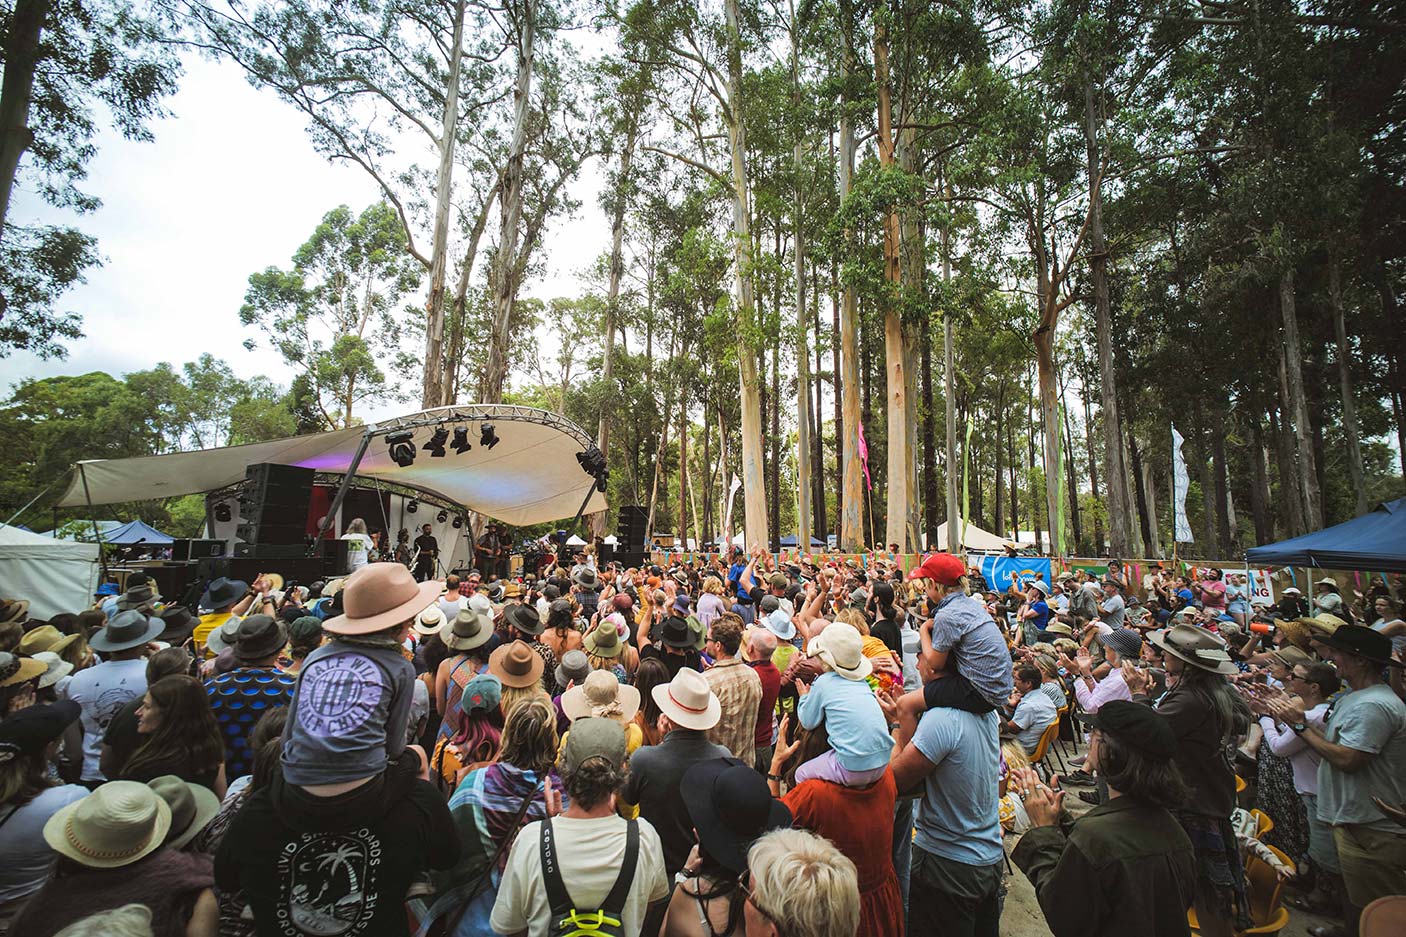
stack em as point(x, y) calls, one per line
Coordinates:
point(516, 664)
point(688, 701)
point(115, 825)
point(192, 808)
point(604, 640)
point(1196, 647)
point(574, 667)
point(1126, 642)
point(58, 668)
point(106, 589)
point(780, 624)
point(841, 646)
point(1040, 586)
point(29, 730)
point(471, 628)
point(259, 636)
point(730, 806)
point(126, 630)
point(223, 592)
point(380, 596)
point(601, 695)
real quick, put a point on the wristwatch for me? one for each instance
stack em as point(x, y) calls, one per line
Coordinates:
point(1298, 727)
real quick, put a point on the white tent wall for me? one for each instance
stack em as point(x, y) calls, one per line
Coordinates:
point(55, 576)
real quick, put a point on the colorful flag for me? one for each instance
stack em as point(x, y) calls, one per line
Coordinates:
point(864, 457)
point(1181, 482)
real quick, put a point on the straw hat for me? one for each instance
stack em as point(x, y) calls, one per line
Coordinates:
point(601, 695)
point(516, 665)
point(333, 586)
point(688, 701)
point(431, 621)
point(192, 807)
point(38, 639)
point(1195, 646)
point(14, 670)
point(115, 825)
point(841, 646)
point(380, 596)
point(1323, 624)
point(13, 610)
point(1294, 631)
point(58, 668)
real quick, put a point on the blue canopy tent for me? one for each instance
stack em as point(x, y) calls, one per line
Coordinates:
point(792, 540)
point(1375, 542)
point(135, 532)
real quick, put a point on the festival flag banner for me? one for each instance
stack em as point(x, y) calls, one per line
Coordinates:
point(997, 570)
point(864, 457)
point(1181, 483)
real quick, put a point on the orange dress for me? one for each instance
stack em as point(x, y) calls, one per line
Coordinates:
point(859, 821)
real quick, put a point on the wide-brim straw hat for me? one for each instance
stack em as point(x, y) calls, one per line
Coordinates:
point(15, 670)
point(841, 647)
point(38, 639)
point(430, 621)
point(380, 596)
point(688, 701)
point(601, 695)
point(1295, 632)
point(192, 806)
point(1322, 624)
point(1196, 647)
point(13, 610)
point(1059, 627)
point(516, 665)
point(117, 824)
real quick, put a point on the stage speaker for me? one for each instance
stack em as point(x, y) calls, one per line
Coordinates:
point(605, 553)
point(271, 551)
point(629, 560)
point(185, 550)
point(334, 557)
point(630, 528)
point(274, 504)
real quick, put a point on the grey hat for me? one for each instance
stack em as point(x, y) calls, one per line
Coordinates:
point(769, 604)
point(259, 636)
point(1125, 642)
point(575, 667)
point(126, 630)
point(858, 597)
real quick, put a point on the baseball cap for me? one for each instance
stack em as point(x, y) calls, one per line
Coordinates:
point(591, 737)
point(944, 568)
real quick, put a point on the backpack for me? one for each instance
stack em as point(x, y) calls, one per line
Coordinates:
point(606, 921)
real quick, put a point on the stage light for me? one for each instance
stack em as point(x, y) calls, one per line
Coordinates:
point(487, 436)
point(402, 448)
point(603, 481)
point(461, 440)
point(412, 506)
point(222, 513)
point(592, 462)
point(435, 447)
point(442, 516)
point(458, 522)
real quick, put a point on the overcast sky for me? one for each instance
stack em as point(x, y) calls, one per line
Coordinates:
point(231, 185)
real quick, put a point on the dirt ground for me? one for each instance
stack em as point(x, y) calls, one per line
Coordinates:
point(1022, 916)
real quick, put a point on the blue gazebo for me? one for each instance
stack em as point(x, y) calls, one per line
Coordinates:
point(1376, 542)
point(134, 533)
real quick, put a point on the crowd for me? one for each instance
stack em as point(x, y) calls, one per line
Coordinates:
point(698, 749)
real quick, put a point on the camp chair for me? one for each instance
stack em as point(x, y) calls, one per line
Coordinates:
point(1041, 755)
point(1263, 824)
point(1264, 890)
point(1385, 917)
point(1239, 784)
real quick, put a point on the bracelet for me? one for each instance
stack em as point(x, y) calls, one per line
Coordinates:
point(773, 777)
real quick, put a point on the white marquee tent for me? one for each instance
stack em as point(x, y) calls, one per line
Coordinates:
point(973, 538)
point(54, 575)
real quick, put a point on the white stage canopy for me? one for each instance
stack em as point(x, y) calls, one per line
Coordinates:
point(54, 575)
point(529, 477)
point(973, 538)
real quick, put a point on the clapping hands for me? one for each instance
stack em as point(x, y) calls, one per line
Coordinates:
point(1042, 802)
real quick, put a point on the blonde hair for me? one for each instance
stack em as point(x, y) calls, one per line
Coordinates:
point(713, 585)
point(853, 616)
point(803, 883)
point(1066, 645)
point(357, 526)
point(1015, 755)
point(513, 695)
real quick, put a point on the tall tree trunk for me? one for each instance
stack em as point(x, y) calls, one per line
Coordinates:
point(1202, 470)
point(1147, 515)
point(1298, 403)
point(433, 389)
point(753, 483)
point(1000, 417)
point(775, 503)
point(21, 60)
point(1222, 480)
point(949, 389)
point(1071, 486)
point(1015, 483)
point(1034, 509)
point(1289, 496)
point(505, 281)
point(929, 435)
point(838, 384)
point(1260, 498)
point(817, 437)
point(851, 509)
point(705, 535)
point(895, 344)
point(1049, 410)
point(1093, 473)
point(1115, 474)
point(1354, 446)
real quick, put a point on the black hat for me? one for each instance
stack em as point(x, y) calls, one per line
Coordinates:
point(223, 592)
point(28, 730)
point(259, 636)
point(525, 618)
point(1364, 642)
point(1137, 726)
point(290, 613)
point(730, 806)
point(179, 622)
point(136, 597)
point(674, 632)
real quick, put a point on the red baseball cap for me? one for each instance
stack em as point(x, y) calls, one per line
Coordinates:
point(944, 568)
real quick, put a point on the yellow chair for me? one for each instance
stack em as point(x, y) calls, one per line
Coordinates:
point(1239, 784)
point(1268, 916)
point(1042, 749)
point(1263, 824)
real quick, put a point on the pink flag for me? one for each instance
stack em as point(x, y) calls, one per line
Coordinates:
point(864, 457)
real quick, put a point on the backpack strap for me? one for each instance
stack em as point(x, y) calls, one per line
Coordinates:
point(557, 896)
point(615, 901)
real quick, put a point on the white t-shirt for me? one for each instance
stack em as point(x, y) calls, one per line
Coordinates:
point(590, 853)
point(358, 550)
point(101, 692)
point(25, 857)
point(452, 607)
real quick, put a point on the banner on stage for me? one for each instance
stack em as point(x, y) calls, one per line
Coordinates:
point(1181, 484)
point(997, 570)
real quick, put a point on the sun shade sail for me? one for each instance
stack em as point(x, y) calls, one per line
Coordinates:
point(1376, 542)
point(529, 476)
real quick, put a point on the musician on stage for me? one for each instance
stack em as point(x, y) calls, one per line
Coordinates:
point(426, 553)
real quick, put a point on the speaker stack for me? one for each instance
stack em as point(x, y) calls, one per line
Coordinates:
point(274, 507)
point(630, 532)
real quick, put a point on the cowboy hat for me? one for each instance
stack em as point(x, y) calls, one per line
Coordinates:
point(601, 695)
point(516, 664)
point(259, 636)
point(471, 628)
point(192, 807)
point(38, 639)
point(115, 825)
point(730, 806)
point(604, 640)
point(16, 610)
point(179, 624)
point(841, 646)
point(1363, 642)
point(58, 668)
point(1196, 647)
point(1322, 624)
point(223, 593)
point(380, 596)
point(688, 701)
point(137, 596)
point(15, 670)
point(126, 630)
point(430, 621)
point(1294, 631)
point(525, 618)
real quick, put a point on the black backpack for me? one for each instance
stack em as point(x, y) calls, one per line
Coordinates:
point(606, 921)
